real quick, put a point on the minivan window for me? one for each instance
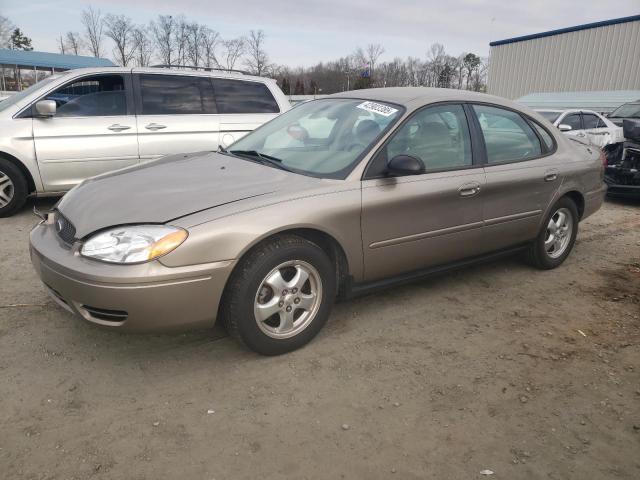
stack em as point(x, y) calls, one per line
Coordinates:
point(98, 96)
point(237, 96)
point(507, 136)
point(176, 95)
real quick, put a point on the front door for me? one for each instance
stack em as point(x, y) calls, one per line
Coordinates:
point(92, 132)
point(175, 114)
point(418, 221)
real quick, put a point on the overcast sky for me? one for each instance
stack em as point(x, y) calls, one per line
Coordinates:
point(304, 32)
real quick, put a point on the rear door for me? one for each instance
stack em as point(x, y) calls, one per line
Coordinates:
point(419, 221)
point(522, 175)
point(92, 132)
point(175, 114)
point(243, 106)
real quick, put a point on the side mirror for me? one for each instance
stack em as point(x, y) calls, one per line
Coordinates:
point(405, 165)
point(45, 108)
point(564, 127)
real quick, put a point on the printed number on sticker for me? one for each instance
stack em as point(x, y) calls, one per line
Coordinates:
point(378, 108)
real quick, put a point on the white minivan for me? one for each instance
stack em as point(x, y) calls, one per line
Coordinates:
point(86, 122)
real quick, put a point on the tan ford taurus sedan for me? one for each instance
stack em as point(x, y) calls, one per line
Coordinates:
point(335, 197)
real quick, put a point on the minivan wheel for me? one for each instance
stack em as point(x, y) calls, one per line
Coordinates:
point(280, 295)
point(557, 236)
point(13, 188)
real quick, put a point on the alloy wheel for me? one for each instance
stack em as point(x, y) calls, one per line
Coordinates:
point(559, 231)
point(288, 299)
point(7, 190)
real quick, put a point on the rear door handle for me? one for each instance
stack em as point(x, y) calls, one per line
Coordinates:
point(469, 190)
point(550, 176)
point(118, 128)
point(155, 126)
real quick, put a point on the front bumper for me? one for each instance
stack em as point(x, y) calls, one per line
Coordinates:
point(149, 297)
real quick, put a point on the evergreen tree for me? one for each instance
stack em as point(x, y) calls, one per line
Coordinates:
point(19, 41)
point(286, 87)
point(299, 90)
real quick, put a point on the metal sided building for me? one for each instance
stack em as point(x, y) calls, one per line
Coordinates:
point(591, 57)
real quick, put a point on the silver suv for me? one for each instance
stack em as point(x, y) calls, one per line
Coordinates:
point(90, 121)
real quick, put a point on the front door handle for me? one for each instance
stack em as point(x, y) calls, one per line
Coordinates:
point(550, 176)
point(581, 134)
point(469, 190)
point(155, 126)
point(118, 128)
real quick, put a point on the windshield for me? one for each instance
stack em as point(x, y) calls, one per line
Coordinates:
point(627, 110)
point(323, 138)
point(13, 99)
point(549, 115)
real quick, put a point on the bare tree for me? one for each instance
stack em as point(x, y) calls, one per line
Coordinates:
point(374, 50)
point(233, 50)
point(196, 36)
point(257, 57)
point(93, 26)
point(211, 40)
point(181, 40)
point(120, 29)
point(61, 45)
point(143, 47)
point(73, 42)
point(6, 27)
point(163, 36)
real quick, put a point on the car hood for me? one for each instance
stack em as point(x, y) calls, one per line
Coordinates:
point(172, 187)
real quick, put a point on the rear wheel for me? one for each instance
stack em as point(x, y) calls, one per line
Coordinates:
point(557, 236)
point(280, 295)
point(13, 188)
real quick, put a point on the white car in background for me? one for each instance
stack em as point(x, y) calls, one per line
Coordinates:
point(86, 122)
point(585, 124)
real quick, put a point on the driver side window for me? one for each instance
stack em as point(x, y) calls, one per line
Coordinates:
point(439, 136)
point(98, 96)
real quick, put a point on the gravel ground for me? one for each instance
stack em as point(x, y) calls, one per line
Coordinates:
point(525, 373)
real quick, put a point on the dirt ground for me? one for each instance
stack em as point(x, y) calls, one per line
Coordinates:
point(525, 373)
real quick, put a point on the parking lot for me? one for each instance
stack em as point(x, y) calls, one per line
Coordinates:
point(529, 374)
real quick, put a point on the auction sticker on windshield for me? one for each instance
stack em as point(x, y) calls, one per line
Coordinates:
point(379, 108)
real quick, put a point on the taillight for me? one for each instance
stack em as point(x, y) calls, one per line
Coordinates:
point(603, 158)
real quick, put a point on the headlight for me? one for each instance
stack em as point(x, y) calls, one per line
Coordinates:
point(134, 243)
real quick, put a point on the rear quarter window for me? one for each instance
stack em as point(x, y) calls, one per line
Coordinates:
point(238, 96)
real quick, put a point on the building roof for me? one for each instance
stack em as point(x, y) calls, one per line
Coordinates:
point(50, 60)
point(599, 101)
point(586, 26)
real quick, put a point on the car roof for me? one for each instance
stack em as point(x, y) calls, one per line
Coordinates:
point(409, 96)
point(173, 71)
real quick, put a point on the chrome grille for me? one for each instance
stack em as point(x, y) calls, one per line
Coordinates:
point(65, 229)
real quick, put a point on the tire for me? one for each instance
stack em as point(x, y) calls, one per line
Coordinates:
point(254, 309)
point(546, 256)
point(13, 188)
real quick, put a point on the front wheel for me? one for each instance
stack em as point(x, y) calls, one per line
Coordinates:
point(557, 236)
point(280, 295)
point(13, 188)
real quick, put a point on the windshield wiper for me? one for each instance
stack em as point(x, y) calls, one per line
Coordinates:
point(263, 157)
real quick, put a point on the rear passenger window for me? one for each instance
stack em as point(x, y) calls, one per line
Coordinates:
point(237, 96)
point(507, 136)
point(176, 95)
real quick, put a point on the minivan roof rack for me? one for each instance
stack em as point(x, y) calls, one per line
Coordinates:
point(205, 69)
